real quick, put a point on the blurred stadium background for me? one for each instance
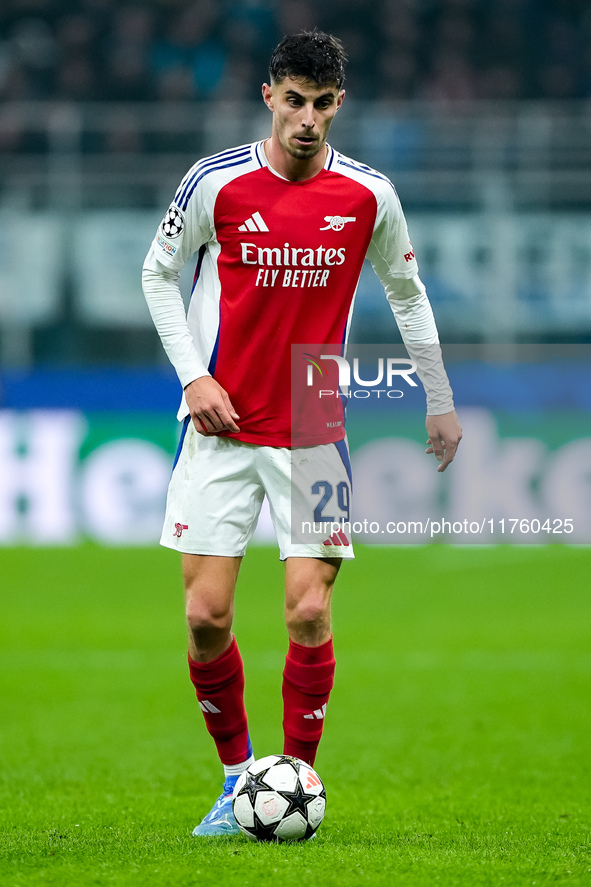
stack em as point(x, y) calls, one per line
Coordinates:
point(479, 112)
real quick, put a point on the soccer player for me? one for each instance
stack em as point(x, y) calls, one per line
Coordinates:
point(281, 228)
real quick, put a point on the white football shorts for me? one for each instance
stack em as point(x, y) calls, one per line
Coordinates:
point(218, 485)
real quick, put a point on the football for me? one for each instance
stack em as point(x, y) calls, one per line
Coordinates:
point(279, 798)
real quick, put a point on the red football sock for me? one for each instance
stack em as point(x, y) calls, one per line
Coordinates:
point(307, 681)
point(220, 690)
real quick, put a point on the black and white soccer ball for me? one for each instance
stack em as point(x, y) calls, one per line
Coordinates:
point(173, 222)
point(279, 798)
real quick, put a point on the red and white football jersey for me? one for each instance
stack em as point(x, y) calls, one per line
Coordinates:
point(278, 264)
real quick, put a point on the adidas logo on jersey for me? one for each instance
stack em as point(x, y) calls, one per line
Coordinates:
point(255, 223)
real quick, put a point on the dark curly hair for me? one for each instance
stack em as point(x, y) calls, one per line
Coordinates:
point(312, 55)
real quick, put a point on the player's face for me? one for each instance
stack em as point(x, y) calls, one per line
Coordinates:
point(302, 114)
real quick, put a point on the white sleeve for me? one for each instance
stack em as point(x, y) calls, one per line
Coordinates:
point(392, 256)
point(182, 231)
point(165, 302)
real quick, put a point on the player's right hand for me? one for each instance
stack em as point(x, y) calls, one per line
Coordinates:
point(210, 406)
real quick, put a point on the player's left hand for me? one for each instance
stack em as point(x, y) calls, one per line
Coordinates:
point(445, 434)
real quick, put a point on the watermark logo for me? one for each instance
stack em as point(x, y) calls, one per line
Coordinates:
point(314, 362)
point(389, 370)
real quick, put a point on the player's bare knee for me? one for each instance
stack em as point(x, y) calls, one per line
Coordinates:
point(207, 617)
point(310, 611)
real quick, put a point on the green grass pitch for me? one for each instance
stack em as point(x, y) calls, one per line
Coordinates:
point(457, 745)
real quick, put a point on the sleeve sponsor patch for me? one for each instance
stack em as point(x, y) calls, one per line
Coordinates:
point(173, 222)
point(168, 248)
